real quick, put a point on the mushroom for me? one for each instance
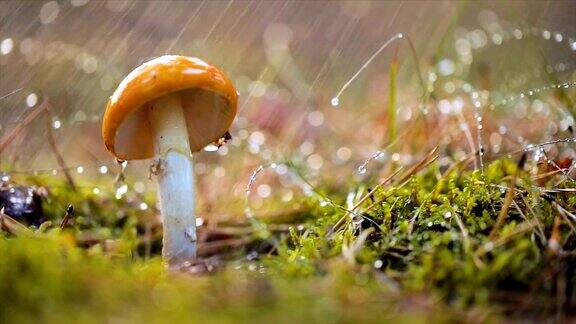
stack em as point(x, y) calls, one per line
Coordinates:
point(166, 109)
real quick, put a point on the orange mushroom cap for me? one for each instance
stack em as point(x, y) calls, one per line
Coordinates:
point(209, 102)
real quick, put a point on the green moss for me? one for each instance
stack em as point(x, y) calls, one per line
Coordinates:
point(422, 252)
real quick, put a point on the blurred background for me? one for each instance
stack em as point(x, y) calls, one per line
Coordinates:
point(487, 79)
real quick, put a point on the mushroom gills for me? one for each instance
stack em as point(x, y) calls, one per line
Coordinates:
point(175, 178)
point(208, 116)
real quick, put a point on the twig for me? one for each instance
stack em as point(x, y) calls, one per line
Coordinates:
point(462, 229)
point(244, 230)
point(58, 156)
point(566, 215)
point(12, 226)
point(69, 214)
point(554, 243)
point(378, 186)
point(459, 165)
point(351, 211)
point(489, 246)
point(216, 246)
point(557, 167)
point(349, 251)
point(469, 137)
point(508, 198)
point(545, 175)
point(6, 140)
point(540, 231)
point(426, 161)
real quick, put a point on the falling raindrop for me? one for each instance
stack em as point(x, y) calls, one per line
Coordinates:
point(363, 168)
point(248, 190)
point(31, 100)
point(335, 102)
point(120, 191)
point(6, 46)
point(211, 148)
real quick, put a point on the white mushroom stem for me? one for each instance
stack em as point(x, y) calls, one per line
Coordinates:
point(175, 179)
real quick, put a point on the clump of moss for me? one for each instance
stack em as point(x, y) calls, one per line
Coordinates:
point(435, 246)
point(440, 236)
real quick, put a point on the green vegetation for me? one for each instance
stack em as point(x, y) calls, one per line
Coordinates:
point(430, 244)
